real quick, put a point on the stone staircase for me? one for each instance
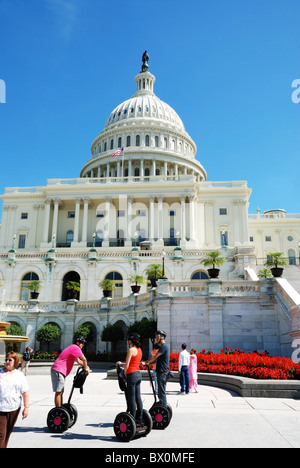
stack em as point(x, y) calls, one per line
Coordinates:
point(292, 274)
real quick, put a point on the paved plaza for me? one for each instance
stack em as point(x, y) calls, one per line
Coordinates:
point(212, 418)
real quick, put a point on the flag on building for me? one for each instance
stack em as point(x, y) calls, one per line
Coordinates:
point(119, 152)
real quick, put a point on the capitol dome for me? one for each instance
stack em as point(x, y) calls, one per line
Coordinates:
point(147, 129)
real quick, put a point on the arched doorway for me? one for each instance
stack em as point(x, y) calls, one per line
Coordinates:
point(70, 276)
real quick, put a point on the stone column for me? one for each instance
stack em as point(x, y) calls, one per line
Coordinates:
point(55, 216)
point(85, 221)
point(106, 232)
point(151, 219)
point(76, 221)
point(160, 220)
point(46, 223)
point(183, 218)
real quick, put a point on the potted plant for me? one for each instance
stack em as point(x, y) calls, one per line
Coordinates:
point(138, 280)
point(154, 271)
point(74, 288)
point(34, 287)
point(264, 273)
point(107, 286)
point(276, 260)
point(213, 259)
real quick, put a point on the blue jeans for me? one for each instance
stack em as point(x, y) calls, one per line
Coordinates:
point(133, 395)
point(184, 379)
point(162, 378)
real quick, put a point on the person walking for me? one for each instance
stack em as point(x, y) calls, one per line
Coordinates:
point(193, 371)
point(13, 389)
point(183, 368)
point(26, 359)
point(64, 365)
point(134, 377)
point(162, 359)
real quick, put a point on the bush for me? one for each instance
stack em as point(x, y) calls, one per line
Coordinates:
point(235, 362)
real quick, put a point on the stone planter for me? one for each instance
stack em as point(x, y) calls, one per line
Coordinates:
point(277, 272)
point(213, 272)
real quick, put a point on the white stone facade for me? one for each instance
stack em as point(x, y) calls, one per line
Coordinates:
point(158, 197)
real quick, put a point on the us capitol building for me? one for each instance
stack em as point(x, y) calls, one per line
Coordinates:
point(155, 205)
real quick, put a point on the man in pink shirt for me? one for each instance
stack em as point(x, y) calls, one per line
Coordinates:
point(64, 365)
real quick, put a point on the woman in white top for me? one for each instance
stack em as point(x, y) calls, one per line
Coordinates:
point(13, 388)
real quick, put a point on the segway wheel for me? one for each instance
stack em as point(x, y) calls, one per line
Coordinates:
point(58, 420)
point(148, 423)
point(124, 427)
point(161, 416)
point(73, 413)
point(170, 410)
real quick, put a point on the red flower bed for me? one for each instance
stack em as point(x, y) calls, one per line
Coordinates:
point(235, 362)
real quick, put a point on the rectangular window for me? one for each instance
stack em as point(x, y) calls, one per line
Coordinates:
point(223, 211)
point(22, 241)
point(251, 239)
point(172, 213)
point(121, 213)
point(24, 215)
point(100, 214)
point(268, 238)
point(71, 214)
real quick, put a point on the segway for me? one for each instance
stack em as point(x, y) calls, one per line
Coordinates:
point(62, 418)
point(125, 426)
point(161, 415)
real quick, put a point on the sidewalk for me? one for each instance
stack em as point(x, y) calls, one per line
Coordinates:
point(212, 418)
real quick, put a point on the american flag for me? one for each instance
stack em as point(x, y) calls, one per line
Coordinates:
point(119, 152)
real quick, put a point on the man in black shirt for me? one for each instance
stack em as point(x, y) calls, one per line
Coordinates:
point(162, 358)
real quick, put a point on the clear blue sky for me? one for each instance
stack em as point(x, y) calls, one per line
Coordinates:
point(225, 66)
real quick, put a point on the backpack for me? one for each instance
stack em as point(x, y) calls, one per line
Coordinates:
point(79, 379)
point(121, 378)
point(26, 356)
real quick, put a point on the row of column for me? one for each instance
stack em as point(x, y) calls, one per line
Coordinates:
point(186, 223)
point(115, 169)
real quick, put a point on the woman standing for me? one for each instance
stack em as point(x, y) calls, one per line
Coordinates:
point(133, 374)
point(193, 371)
point(13, 388)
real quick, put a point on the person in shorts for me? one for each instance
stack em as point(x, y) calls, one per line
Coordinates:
point(64, 365)
point(26, 359)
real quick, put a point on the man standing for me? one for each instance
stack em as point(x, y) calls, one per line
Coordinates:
point(183, 367)
point(162, 359)
point(64, 365)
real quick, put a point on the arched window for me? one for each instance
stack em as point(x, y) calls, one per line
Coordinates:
point(147, 173)
point(137, 140)
point(292, 257)
point(67, 293)
point(147, 140)
point(156, 141)
point(199, 275)
point(128, 141)
point(111, 144)
point(25, 282)
point(119, 142)
point(118, 280)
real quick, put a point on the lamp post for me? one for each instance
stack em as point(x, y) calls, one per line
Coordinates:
point(163, 265)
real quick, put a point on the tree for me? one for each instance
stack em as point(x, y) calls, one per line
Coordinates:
point(112, 333)
point(48, 333)
point(145, 328)
point(86, 331)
